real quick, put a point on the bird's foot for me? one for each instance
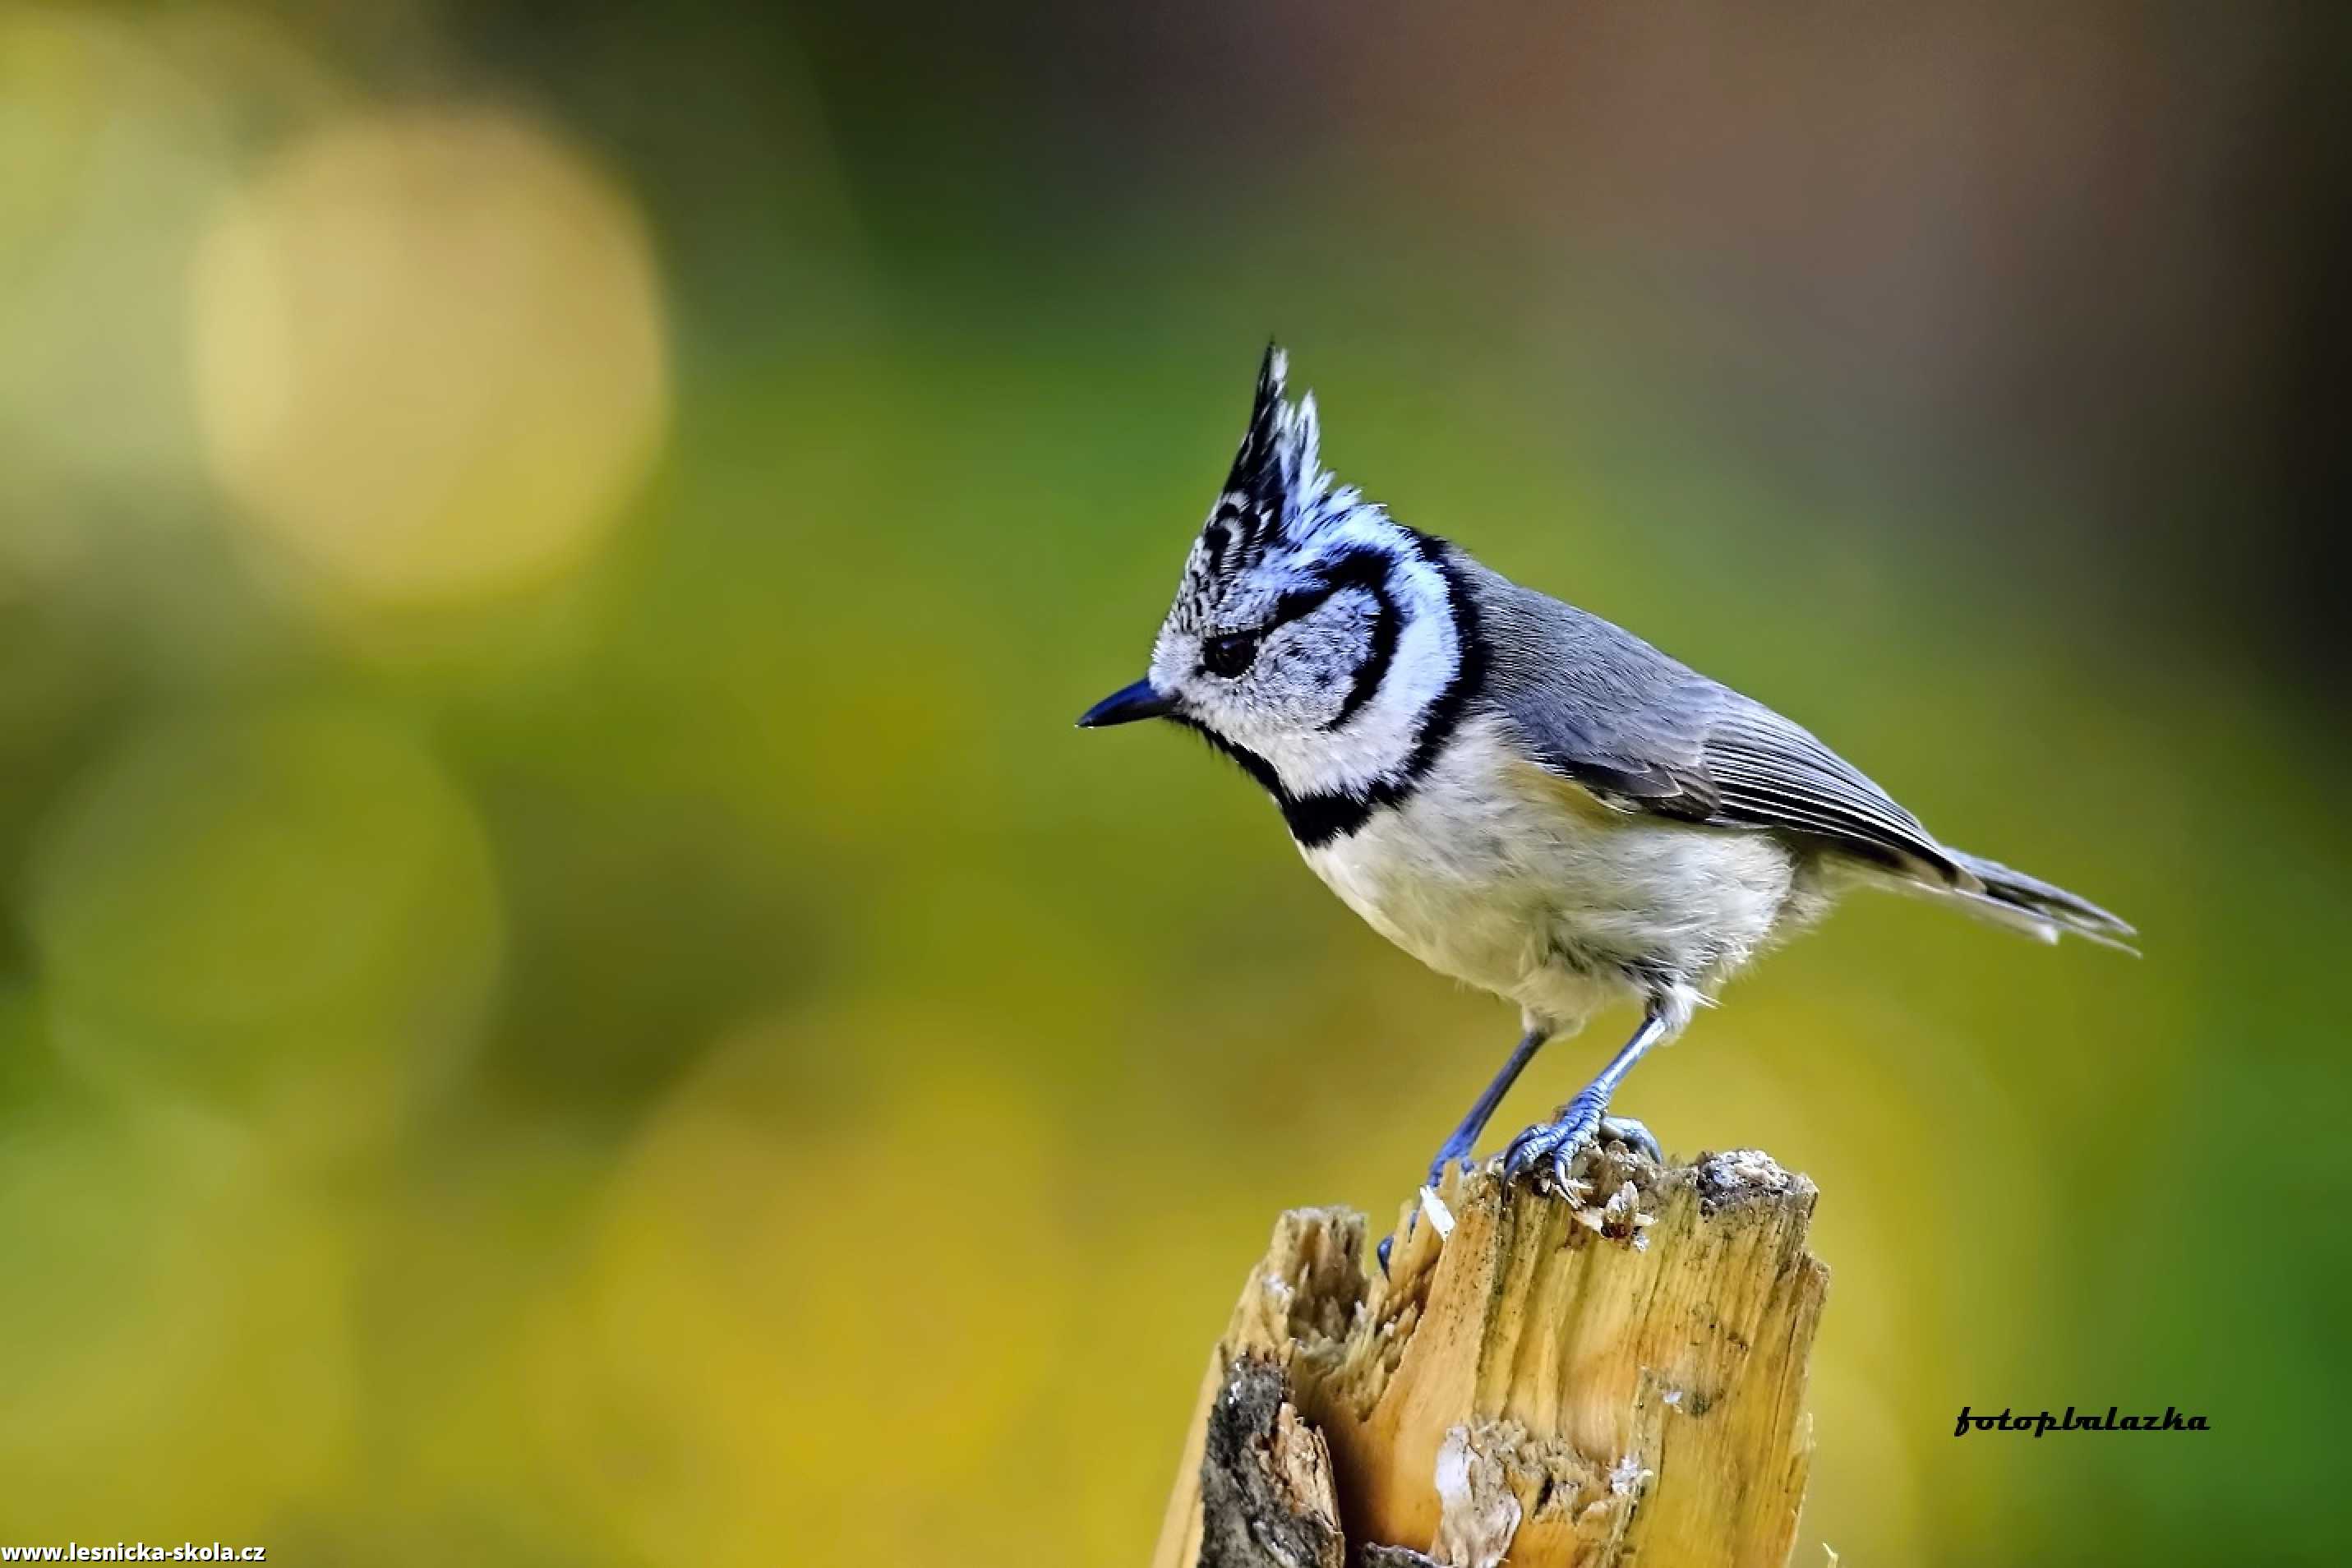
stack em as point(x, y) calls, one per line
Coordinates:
point(1550, 1149)
point(1633, 1135)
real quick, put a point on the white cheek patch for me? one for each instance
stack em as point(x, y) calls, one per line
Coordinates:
point(1307, 667)
point(1378, 740)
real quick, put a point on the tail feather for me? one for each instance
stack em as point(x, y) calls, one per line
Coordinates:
point(2043, 907)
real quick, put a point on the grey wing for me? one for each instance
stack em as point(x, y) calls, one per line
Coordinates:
point(1644, 732)
point(1773, 772)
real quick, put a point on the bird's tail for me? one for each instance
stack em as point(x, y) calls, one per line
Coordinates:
point(2038, 907)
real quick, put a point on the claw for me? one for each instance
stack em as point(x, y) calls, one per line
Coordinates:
point(1633, 1135)
point(1520, 1155)
point(1555, 1145)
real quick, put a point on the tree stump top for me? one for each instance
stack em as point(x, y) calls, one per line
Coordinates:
point(1613, 1375)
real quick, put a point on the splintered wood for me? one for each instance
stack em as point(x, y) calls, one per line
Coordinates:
point(1613, 1378)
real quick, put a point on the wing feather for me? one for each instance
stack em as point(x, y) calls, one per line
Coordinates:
point(1772, 772)
point(1597, 705)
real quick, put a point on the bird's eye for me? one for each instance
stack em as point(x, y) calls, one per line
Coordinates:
point(1229, 656)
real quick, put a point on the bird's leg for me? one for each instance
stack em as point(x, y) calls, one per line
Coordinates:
point(1482, 1111)
point(1557, 1143)
point(1465, 1137)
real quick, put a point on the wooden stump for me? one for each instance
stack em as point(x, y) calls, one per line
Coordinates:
point(1615, 1377)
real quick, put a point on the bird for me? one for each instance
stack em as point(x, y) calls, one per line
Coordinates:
point(1523, 795)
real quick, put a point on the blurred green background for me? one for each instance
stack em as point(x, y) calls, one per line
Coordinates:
point(571, 995)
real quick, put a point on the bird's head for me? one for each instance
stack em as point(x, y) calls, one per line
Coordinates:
point(1311, 634)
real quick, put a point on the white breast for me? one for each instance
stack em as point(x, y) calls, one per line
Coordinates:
point(1499, 875)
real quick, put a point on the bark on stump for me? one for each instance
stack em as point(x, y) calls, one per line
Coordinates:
point(1611, 1378)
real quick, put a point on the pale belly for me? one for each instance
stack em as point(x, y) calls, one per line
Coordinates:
point(1501, 877)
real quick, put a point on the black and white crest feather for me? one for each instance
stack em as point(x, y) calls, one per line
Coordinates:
point(1277, 489)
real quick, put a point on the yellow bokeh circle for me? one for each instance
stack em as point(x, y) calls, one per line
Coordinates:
point(430, 355)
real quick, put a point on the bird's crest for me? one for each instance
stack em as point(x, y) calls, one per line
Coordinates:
point(1277, 489)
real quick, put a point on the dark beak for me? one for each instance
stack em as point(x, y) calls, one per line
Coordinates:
point(1125, 706)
